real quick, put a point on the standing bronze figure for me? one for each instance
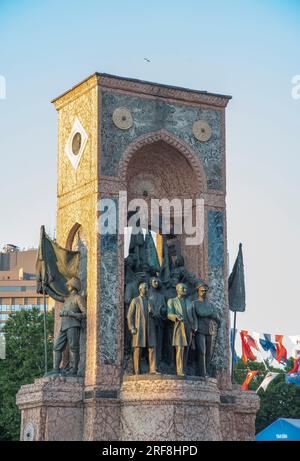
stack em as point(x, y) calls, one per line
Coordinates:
point(141, 324)
point(181, 312)
point(207, 325)
point(73, 311)
point(158, 307)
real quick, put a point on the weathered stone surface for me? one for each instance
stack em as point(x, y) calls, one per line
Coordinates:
point(109, 284)
point(152, 115)
point(215, 238)
point(102, 419)
point(149, 407)
point(216, 296)
point(169, 409)
point(54, 407)
point(237, 414)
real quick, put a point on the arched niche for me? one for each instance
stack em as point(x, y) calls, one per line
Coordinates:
point(157, 166)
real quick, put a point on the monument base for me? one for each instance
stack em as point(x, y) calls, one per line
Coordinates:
point(149, 407)
point(168, 408)
point(51, 409)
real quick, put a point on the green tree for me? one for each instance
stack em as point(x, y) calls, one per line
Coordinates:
point(280, 400)
point(24, 333)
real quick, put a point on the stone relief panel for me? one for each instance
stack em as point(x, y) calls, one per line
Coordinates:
point(152, 115)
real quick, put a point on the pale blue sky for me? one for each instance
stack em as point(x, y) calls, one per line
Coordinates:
point(249, 49)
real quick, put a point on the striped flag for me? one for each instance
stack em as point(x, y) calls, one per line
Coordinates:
point(268, 345)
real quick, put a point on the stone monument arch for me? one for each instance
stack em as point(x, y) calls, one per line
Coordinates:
point(159, 166)
point(151, 141)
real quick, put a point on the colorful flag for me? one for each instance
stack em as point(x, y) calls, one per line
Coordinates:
point(267, 345)
point(252, 343)
point(267, 379)
point(246, 347)
point(236, 285)
point(295, 368)
point(249, 377)
point(281, 352)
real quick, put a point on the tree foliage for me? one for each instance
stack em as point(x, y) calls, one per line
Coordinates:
point(24, 334)
point(280, 400)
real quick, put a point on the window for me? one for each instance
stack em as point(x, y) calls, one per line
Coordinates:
point(3, 316)
point(12, 288)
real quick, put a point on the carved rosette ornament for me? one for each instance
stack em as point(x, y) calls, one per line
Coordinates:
point(202, 130)
point(122, 118)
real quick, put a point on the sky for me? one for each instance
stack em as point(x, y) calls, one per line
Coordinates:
point(248, 49)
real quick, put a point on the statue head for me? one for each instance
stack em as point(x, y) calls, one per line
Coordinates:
point(73, 284)
point(179, 261)
point(155, 282)
point(202, 289)
point(181, 289)
point(143, 288)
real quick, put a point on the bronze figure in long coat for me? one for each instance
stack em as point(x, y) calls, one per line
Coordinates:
point(141, 324)
point(181, 312)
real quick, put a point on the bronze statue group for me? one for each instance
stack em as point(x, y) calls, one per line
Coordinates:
point(167, 315)
point(169, 321)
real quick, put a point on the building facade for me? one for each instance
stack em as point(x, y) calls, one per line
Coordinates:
point(17, 282)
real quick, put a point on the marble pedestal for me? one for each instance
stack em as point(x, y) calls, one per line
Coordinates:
point(147, 408)
point(51, 409)
point(166, 408)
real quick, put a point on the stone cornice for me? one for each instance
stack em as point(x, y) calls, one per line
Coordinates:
point(140, 87)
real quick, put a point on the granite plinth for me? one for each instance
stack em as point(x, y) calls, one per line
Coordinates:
point(53, 408)
point(169, 408)
point(147, 407)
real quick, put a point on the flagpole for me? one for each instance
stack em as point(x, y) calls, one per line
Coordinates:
point(233, 347)
point(44, 297)
point(45, 333)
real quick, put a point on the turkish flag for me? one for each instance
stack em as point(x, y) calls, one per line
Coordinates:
point(249, 377)
point(295, 367)
point(246, 346)
point(281, 352)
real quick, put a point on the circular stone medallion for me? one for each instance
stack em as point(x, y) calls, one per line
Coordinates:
point(202, 131)
point(122, 118)
point(76, 143)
